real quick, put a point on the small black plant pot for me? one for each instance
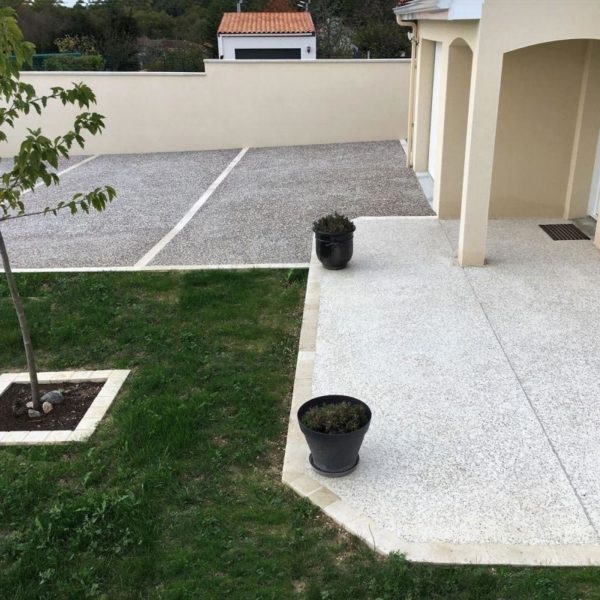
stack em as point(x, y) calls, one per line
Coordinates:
point(333, 454)
point(334, 250)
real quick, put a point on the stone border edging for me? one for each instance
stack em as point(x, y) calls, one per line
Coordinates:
point(160, 268)
point(113, 379)
point(384, 541)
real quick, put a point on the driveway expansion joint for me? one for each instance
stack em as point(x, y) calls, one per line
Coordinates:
point(510, 363)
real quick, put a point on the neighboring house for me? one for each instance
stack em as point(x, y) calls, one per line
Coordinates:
point(505, 110)
point(267, 36)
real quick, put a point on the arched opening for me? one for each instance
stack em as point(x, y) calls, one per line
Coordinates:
point(547, 131)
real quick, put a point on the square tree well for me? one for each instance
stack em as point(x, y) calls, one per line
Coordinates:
point(100, 387)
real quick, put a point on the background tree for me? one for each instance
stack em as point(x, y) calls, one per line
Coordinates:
point(118, 25)
point(381, 40)
point(116, 31)
point(279, 6)
point(38, 156)
point(375, 31)
point(333, 33)
point(42, 21)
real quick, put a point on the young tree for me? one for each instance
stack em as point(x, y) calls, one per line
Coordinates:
point(38, 156)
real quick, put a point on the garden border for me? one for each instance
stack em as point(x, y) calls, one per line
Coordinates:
point(113, 381)
point(295, 475)
point(132, 269)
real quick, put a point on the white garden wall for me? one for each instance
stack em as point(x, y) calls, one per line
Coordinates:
point(236, 104)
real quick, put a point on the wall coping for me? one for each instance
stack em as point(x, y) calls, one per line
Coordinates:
point(348, 61)
point(116, 73)
point(215, 61)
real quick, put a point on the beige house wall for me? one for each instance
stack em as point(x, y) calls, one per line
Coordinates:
point(532, 121)
point(237, 104)
point(502, 31)
point(536, 123)
point(430, 32)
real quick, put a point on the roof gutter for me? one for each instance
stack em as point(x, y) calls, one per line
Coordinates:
point(411, 9)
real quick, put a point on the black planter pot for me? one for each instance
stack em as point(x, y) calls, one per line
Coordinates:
point(334, 250)
point(333, 454)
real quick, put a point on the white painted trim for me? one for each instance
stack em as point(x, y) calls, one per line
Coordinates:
point(67, 170)
point(78, 164)
point(451, 10)
point(230, 267)
point(113, 381)
point(153, 252)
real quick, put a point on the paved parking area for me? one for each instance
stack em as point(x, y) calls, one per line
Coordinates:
point(154, 191)
point(260, 213)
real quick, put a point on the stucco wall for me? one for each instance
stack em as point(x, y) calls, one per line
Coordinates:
point(236, 104)
point(536, 123)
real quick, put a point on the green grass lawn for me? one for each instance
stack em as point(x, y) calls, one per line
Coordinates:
point(178, 493)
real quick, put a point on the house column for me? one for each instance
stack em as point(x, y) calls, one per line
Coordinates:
point(484, 97)
point(585, 139)
point(422, 116)
point(457, 64)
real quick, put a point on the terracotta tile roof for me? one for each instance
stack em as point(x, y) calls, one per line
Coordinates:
point(267, 22)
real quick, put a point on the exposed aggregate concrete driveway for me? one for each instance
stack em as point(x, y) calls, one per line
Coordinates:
point(261, 213)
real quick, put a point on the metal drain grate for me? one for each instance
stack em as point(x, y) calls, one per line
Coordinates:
point(564, 231)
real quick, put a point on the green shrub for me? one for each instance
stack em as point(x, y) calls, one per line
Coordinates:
point(334, 223)
point(341, 417)
point(178, 60)
point(90, 62)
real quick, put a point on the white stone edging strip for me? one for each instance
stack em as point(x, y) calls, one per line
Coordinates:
point(384, 541)
point(113, 381)
point(133, 269)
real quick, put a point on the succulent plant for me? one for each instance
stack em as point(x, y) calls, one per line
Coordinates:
point(340, 417)
point(334, 223)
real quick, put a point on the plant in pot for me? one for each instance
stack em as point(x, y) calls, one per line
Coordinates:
point(334, 427)
point(334, 240)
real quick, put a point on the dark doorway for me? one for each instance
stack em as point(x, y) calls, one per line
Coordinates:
point(267, 53)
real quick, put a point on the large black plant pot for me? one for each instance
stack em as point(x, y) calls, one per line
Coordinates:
point(334, 250)
point(333, 454)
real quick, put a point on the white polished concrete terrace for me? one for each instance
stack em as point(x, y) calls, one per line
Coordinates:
point(484, 385)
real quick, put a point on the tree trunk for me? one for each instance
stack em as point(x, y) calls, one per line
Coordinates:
point(18, 303)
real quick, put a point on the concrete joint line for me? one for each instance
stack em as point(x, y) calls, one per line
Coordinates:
point(529, 402)
point(157, 248)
